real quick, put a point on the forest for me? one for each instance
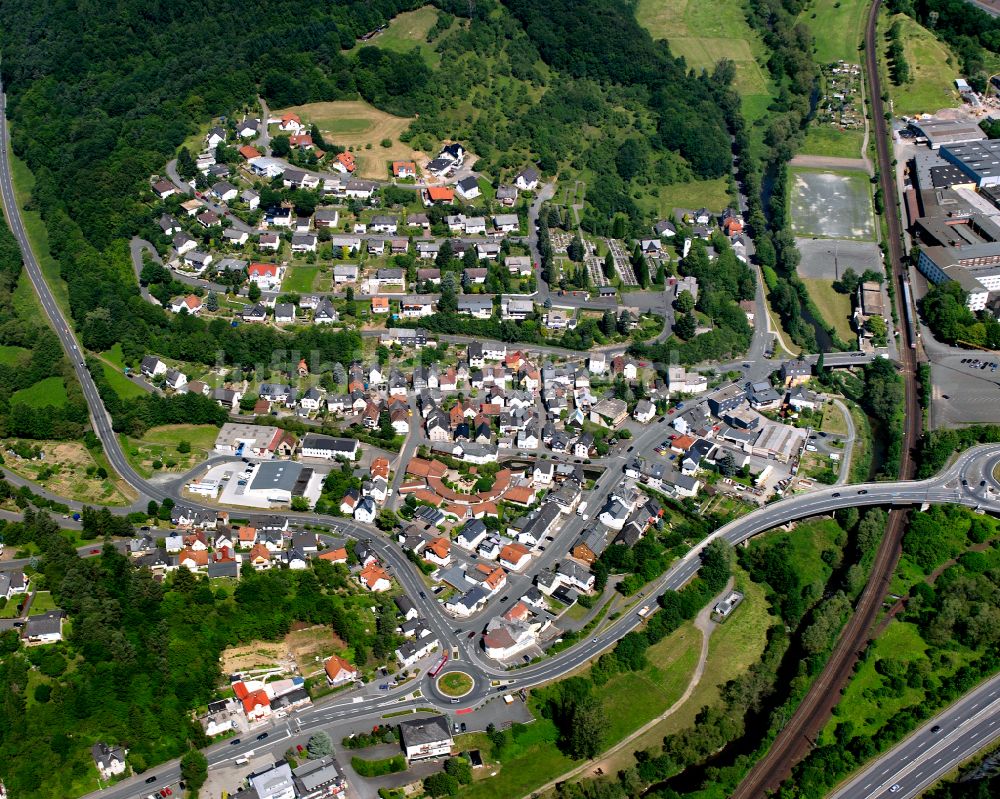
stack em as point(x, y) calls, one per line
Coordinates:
point(140, 654)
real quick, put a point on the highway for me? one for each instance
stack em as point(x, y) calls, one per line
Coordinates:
point(968, 725)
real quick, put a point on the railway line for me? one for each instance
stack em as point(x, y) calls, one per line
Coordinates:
point(797, 737)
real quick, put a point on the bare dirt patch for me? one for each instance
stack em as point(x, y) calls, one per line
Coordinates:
point(64, 471)
point(356, 124)
point(303, 650)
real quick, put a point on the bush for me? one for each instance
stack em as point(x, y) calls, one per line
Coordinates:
point(378, 768)
point(387, 143)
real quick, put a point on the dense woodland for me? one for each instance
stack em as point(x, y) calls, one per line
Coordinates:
point(141, 654)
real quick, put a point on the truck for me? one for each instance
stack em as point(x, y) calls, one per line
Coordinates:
point(244, 758)
point(643, 611)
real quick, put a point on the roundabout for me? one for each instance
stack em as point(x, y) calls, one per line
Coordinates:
point(455, 684)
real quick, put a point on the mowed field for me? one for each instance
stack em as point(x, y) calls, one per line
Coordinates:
point(704, 33)
point(406, 31)
point(838, 27)
point(355, 123)
point(932, 87)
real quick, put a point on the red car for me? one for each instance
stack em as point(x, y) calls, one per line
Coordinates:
point(299, 747)
point(95, 552)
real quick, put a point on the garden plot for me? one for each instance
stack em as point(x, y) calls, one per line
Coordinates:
point(831, 205)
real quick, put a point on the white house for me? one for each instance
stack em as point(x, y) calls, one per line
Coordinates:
point(468, 188)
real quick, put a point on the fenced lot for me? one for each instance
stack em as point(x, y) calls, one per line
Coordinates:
point(831, 205)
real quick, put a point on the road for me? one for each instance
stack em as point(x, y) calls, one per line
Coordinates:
point(970, 724)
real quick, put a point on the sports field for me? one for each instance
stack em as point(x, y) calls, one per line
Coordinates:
point(831, 205)
point(704, 33)
point(355, 123)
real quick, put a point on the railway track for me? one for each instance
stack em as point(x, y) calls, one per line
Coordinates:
point(799, 735)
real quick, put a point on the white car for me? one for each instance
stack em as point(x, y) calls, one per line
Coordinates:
point(896, 788)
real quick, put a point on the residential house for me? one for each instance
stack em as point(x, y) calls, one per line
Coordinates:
point(527, 179)
point(339, 671)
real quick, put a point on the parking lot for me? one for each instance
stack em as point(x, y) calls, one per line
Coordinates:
point(966, 390)
point(828, 259)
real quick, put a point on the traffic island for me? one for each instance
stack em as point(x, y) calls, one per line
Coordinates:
point(455, 684)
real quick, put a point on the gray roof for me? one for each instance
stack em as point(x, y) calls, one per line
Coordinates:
point(276, 474)
point(424, 731)
point(45, 623)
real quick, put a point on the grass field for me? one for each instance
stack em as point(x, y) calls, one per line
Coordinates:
point(868, 702)
point(24, 181)
point(50, 391)
point(124, 388)
point(406, 31)
point(629, 701)
point(355, 123)
point(12, 356)
point(69, 470)
point(705, 33)
point(830, 141)
point(160, 444)
point(932, 87)
point(833, 306)
point(711, 194)
point(300, 279)
point(838, 27)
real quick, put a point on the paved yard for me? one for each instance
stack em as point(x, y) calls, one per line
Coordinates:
point(830, 258)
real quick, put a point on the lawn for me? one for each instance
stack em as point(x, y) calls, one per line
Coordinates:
point(406, 31)
point(834, 307)
point(455, 683)
point(124, 388)
point(932, 87)
point(838, 27)
point(12, 356)
point(710, 194)
point(830, 141)
point(24, 182)
point(355, 123)
point(42, 603)
point(300, 279)
point(706, 33)
point(48, 392)
point(833, 420)
point(806, 543)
